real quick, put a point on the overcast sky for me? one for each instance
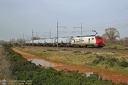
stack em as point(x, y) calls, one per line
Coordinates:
point(18, 17)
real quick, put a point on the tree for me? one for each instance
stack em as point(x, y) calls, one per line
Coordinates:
point(111, 34)
point(124, 41)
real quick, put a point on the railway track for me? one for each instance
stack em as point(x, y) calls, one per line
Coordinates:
point(95, 50)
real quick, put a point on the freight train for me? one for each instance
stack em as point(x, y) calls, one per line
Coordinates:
point(78, 41)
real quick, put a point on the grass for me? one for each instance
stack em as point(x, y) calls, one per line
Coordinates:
point(4, 65)
point(74, 57)
point(81, 58)
point(116, 47)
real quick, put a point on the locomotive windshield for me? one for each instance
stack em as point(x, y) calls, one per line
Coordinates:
point(98, 37)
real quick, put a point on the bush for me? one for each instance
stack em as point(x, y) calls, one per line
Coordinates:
point(110, 61)
point(123, 63)
point(98, 59)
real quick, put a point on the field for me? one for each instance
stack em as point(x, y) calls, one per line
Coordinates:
point(108, 59)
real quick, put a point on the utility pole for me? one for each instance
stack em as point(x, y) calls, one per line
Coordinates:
point(32, 36)
point(50, 34)
point(80, 28)
point(23, 36)
point(57, 35)
point(58, 32)
point(23, 40)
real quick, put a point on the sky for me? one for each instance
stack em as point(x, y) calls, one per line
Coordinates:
point(19, 17)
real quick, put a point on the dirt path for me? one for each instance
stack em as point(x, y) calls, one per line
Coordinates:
point(115, 77)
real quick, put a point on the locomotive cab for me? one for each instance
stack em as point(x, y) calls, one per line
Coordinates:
point(99, 41)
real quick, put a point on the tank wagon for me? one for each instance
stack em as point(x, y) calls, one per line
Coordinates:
point(78, 41)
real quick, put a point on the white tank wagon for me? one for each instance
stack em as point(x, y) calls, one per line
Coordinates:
point(36, 42)
point(28, 42)
point(49, 42)
point(42, 42)
point(60, 40)
point(63, 41)
point(66, 41)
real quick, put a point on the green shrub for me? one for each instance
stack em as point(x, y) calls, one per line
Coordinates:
point(108, 60)
point(123, 63)
point(98, 59)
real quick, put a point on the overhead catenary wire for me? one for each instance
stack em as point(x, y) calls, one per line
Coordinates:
point(117, 18)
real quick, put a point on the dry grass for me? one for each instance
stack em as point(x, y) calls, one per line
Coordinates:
point(65, 56)
point(4, 65)
point(116, 47)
